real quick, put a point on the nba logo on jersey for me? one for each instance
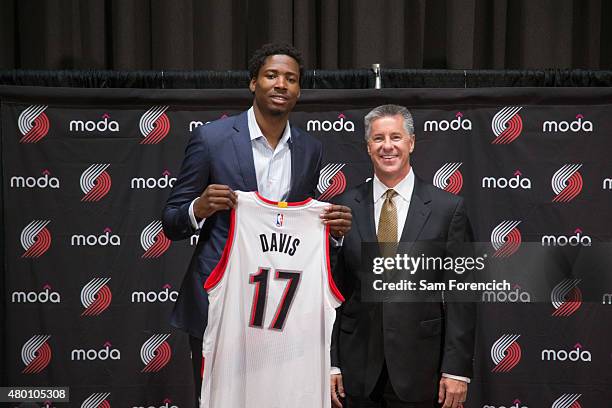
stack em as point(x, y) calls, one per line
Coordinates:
point(280, 220)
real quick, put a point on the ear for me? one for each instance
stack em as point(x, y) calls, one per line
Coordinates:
point(252, 84)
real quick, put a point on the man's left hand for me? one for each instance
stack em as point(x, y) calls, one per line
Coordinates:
point(339, 219)
point(452, 392)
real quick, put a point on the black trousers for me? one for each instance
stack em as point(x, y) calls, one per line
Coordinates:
point(384, 396)
point(196, 361)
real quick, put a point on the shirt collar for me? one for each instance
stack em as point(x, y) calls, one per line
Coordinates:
point(404, 188)
point(256, 133)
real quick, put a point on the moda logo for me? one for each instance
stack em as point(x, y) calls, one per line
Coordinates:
point(35, 239)
point(518, 181)
point(194, 124)
point(566, 183)
point(506, 238)
point(507, 125)
point(96, 297)
point(563, 240)
point(577, 125)
point(167, 403)
point(566, 297)
point(101, 125)
point(36, 354)
point(516, 295)
point(163, 296)
point(95, 182)
point(574, 355)
point(567, 401)
point(155, 353)
point(606, 184)
point(459, 123)
point(164, 181)
point(104, 239)
point(107, 352)
point(515, 404)
point(154, 125)
point(44, 181)
point(506, 353)
point(33, 124)
point(449, 178)
point(47, 295)
point(331, 181)
point(97, 400)
point(339, 125)
point(153, 240)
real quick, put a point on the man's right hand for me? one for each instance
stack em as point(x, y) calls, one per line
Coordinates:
point(216, 197)
point(337, 390)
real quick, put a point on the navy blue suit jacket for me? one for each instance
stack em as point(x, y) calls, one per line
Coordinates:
point(221, 153)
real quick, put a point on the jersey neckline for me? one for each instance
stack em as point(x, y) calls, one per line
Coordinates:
point(283, 204)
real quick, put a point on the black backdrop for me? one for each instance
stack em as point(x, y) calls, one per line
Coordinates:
point(98, 134)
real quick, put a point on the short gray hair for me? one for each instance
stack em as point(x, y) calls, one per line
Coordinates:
point(388, 110)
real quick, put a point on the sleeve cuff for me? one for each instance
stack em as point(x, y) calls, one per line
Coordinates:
point(456, 377)
point(192, 218)
point(334, 371)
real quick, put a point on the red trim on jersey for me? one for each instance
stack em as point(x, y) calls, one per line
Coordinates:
point(217, 274)
point(293, 204)
point(202, 371)
point(330, 279)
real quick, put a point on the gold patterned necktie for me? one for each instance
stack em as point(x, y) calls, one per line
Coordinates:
point(387, 225)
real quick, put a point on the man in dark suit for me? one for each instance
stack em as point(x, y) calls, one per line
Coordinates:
point(398, 354)
point(255, 151)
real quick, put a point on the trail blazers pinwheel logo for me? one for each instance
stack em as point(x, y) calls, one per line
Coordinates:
point(154, 125)
point(95, 182)
point(97, 400)
point(35, 239)
point(96, 297)
point(566, 297)
point(155, 353)
point(33, 124)
point(566, 183)
point(449, 178)
point(567, 401)
point(36, 354)
point(506, 353)
point(331, 181)
point(153, 240)
point(506, 238)
point(507, 125)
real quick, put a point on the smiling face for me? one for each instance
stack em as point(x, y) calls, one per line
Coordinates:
point(277, 85)
point(389, 147)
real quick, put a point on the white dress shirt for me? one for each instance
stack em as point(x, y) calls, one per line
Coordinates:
point(404, 190)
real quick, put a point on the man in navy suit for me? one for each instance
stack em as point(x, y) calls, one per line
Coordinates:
point(399, 354)
point(256, 150)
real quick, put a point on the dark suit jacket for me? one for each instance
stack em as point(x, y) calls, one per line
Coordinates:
point(418, 341)
point(221, 153)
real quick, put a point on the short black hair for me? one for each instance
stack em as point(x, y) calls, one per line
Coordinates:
point(259, 57)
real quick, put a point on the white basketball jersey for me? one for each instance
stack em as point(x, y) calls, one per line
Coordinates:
point(272, 309)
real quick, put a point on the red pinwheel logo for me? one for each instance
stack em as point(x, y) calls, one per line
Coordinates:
point(331, 181)
point(449, 178)
point(154, 125)
point(153, 240)
point(155, 353)
point(566, 183)
point(507, 125)
point(506, 353)
point(33, 124)
point(566, 297)
point(506, 238)
point(96, 297)
point(567, 401)
point(35, 239)
point(95, 182)
point(36, 354)
point(97, 400)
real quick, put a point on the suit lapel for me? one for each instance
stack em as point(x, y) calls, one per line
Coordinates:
point(297, 162)
point(244, 152)
point(418, 213)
